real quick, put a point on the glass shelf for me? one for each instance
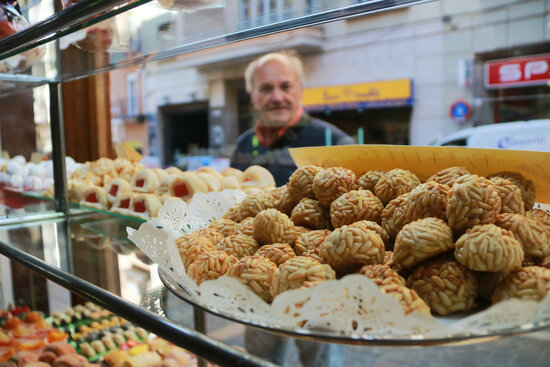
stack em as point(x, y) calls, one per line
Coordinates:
point(14, 204)
point(13, 83)
point(128, 220)
point(144, 31)
point(63, 251)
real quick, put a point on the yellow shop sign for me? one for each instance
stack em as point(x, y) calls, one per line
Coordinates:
point(362, 95)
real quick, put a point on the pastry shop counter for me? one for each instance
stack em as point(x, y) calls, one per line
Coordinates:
point(77, 254)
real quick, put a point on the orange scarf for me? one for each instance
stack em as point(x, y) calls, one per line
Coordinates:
point(269, 135)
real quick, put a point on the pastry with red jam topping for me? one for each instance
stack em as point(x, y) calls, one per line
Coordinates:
point(117, 187)
point(145, 181)
point(95, 197)
point(145, 206)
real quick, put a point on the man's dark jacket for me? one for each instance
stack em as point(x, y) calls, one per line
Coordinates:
point(307, 132)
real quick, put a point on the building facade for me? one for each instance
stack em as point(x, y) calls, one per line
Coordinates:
point(406, 76)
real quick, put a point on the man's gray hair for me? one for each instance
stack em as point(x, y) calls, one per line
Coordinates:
point(282, 55)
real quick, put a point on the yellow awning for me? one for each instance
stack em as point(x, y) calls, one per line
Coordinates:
point(362, 95)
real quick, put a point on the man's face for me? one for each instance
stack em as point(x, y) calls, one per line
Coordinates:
point(276, 92)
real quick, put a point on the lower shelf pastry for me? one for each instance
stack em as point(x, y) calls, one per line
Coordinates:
point(88, 336)
point(155, 352)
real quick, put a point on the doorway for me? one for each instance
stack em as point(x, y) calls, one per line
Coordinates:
point(183, 131)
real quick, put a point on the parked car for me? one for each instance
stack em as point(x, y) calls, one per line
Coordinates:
point(522, 135)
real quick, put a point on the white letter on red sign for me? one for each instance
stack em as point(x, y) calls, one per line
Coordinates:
point(535, 67)
point(510, 72)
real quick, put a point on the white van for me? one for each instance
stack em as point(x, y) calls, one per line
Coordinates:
point(524, 135)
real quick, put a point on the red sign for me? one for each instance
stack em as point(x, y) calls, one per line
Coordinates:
point(518, 72)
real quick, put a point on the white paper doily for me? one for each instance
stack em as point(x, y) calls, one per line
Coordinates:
point(351, 308)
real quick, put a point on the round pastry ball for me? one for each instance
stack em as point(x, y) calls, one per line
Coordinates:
point(394, 183)
point(367, 224)
point(528, 283)
point(369, 179)
point(233, 214)
point(272, 226)
point(533, 237)
point(394, 215)
point(526, 186)
point(310, 213)
point(510, 196)
point(448, 176)
point(310, 240)
point(298, 270)
point(354, 206)
point(278, 253)
point(192, 245)
point(427, 200)
point(300, 230)
point(489, 248)
point(541, 216)
point(472, 202)
point(314, 253)
point(301, 181)
point(421, 240)
point(408, 298)
point(332, 182)
point(214, 236)
point(281, 199)
point(254, 203)
point(349, 247)
point(382, 274)
point(239, 245)
point(224, 226)
point(257, 273)
point(211, 265)
point(246, 226)
point(446, 286)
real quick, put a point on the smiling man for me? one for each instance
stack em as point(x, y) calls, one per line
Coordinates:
point(275, 84)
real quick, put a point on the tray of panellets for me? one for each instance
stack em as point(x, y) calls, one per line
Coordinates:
point(375, 245)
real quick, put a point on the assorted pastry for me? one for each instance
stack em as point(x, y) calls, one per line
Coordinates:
point(94, 331)
point(441, 246)
point(26, 337)
point(87, 336)
point(129, 188)
point(17, 173)
point(156, 352)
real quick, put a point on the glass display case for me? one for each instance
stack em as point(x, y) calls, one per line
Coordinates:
point(384, 71)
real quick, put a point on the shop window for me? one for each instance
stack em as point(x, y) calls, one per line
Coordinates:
point(389, 125)
point(166, 34)
point(517, 104)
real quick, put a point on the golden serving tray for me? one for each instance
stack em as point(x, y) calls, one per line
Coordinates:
point(425, 161)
